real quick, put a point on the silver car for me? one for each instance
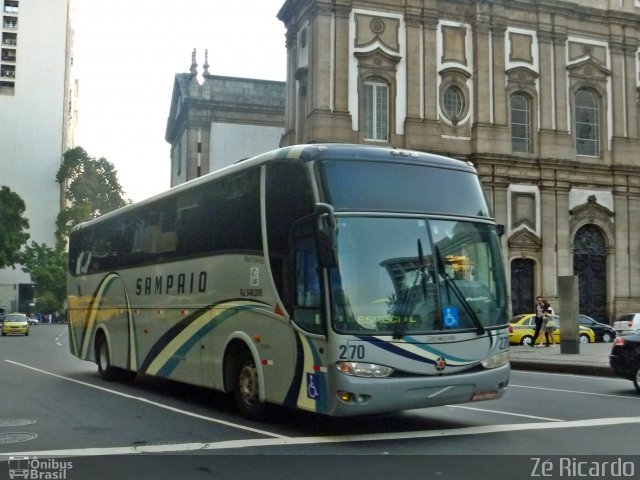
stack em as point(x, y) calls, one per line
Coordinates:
point(627, 323)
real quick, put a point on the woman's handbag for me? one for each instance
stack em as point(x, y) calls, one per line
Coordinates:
point(551, 321)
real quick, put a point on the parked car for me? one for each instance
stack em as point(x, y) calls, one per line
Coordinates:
point(523, 327)
point(15, 324)
point(625, 358)
point(627, 323)
point(604, 332)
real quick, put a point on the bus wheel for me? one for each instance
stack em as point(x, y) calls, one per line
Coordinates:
point(247, 388)
point(106, 371)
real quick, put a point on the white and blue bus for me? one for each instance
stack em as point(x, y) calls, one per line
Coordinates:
point(338, 279)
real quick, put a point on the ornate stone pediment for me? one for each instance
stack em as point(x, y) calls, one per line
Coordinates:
point(521, 76)
point(591, 212)
point(524, 238)
point(589, 69)
point(377, 59)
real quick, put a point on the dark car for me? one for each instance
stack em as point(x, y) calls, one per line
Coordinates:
point(625, 358)
point(603, 332)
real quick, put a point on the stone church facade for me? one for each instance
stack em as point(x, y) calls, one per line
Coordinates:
point(540, 95)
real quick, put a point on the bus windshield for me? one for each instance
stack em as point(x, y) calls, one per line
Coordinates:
point(369, 186)
point(405, 276)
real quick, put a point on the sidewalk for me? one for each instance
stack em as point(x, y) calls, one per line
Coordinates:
point(593, 359)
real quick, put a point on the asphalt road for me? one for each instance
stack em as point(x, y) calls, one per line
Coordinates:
point(54, 406)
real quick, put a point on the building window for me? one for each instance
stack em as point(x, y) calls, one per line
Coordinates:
point(453, 103)
point(376, 110)
point(520, 124)
point(587, 124)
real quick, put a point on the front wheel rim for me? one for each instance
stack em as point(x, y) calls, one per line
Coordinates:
point(248, 384)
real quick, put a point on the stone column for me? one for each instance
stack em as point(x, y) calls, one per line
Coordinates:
point(319, 61)
point(618, 87)
point(341, 74)
point(560, 64)
point(631, 65)
point(481, 70)
point(499, 93)
point(546, 81)
point(414, 62)
point(431, 67)
point(549, 233)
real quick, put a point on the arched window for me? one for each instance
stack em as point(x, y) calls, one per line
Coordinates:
point(376, 110)
point(520, 123)
point(587, 124)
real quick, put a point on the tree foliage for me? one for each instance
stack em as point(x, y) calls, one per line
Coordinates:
point(12, 227)
point(92, 189)
point(48, 268)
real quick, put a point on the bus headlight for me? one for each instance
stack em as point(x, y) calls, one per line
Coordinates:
point(358, 369)
point(496, 361)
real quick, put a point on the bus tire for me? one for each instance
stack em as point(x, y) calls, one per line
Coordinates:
point(636, 379)
point(105, 369)
point(246, 389)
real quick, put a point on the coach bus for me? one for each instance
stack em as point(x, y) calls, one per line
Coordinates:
point(338, 279)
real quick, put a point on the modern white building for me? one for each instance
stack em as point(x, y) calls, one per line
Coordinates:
point(37, 117)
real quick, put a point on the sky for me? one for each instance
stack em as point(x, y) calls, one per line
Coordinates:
point(126, 55)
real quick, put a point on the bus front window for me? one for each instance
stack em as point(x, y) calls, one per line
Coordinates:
point(404, 276)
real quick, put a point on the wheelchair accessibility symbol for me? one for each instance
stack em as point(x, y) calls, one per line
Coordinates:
point(313, 386)
point(450, 317)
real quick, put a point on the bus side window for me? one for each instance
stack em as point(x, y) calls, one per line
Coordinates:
point(289, 197)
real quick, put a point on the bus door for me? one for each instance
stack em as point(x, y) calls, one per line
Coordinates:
point(309, 318)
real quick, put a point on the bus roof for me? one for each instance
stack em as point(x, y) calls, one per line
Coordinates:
point(306, 153)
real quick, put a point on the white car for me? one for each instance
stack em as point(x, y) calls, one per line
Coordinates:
point(627, 323)
point(33, 320)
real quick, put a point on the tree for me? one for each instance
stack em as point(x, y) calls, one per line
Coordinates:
point(12, 227)
point(92, 189)
point(48, 268)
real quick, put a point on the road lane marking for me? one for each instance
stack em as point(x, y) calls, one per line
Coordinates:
point(151, 402)
point(506, 413)
point(61, 335)
point(287, 441)
point(560, 390)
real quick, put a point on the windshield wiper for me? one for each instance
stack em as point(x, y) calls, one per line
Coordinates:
point(411, 299)
point(452, 283)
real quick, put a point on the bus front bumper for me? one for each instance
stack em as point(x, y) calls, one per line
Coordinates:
point(360, 396)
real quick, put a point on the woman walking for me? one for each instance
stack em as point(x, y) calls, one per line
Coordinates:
point(550, 325)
